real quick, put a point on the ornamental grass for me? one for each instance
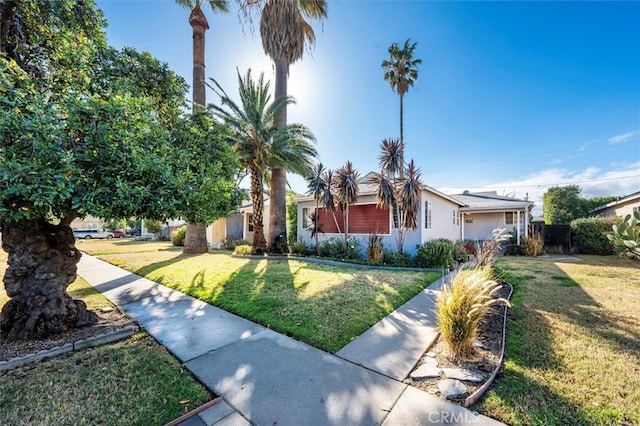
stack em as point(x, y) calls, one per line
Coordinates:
point(461, 306)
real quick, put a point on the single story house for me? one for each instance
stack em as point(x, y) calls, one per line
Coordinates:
point(622, 207)
point(485, 211)
point(246, 213)
point(455, 217)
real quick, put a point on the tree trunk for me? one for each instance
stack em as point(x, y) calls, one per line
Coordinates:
point(402, 135)
point(42, 263)
point(257, 199)
point(195, 240)
point(278, 204)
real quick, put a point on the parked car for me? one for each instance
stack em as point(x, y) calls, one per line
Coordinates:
point(118, 234)
point(87, 234)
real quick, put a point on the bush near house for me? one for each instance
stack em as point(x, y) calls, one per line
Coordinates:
point(402, 260)
point(590, 235)
point(177, 238)
point(335, 248)
point(440, 253)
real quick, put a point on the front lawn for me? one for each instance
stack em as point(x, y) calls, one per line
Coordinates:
point(324, 306)
point(132, 382)
point(573, 346)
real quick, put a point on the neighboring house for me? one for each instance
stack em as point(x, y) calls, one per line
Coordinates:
point(485, 211)
point(622, 207)
point(438, 218)
point(88, 222)
point(230, 226)
point(246, 212)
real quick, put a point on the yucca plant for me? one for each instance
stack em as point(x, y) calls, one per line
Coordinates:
point(461, 306)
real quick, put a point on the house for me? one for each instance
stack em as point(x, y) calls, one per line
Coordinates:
point(622, 207)
point(438, 218)
point(485, 211)
point(246, 213)
point(454, 217)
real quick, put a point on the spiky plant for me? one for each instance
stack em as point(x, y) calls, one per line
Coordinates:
point(347, 192)
point(328, 199)
point(461, 306)
point(316, 188)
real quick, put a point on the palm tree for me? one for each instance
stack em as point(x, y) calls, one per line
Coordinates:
point(347, 192)
point(398, 188)
point(328, 198)
point(259, 143)
point(401, 71)
point(196, 238)
point(317, 187)
point(284, 33)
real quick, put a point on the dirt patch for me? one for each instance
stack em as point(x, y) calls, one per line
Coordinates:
point(107, 322)
point(485, 361)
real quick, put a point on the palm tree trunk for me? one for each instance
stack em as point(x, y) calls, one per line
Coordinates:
point(257, 199)
point(402, 135)
point(317, 217)
point(278, 193)
point(195, 240)
point(346, 225)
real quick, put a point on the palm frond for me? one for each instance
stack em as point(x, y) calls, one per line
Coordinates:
point(391, 156)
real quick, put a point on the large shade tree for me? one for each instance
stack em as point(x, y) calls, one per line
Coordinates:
point(88, 130)
point(285, 32)
point(260, 143)
point(196, 239)
point(401, 72)
point(398, 188)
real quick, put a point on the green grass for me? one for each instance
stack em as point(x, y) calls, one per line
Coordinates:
point(324, 306)
point(573, 344)
point(133, 382)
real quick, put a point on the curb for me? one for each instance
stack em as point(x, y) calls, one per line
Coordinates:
point(68, 347)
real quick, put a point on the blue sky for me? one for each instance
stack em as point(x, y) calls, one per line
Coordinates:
point(511, 96)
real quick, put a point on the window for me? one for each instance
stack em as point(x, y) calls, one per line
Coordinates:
point(508, 218)
point(427, 215)
point(250, 219)
point(454, 217)
point(394, 212)
point(306, 218)
point(636, 209)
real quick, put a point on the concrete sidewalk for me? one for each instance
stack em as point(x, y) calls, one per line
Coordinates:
point(267, 378)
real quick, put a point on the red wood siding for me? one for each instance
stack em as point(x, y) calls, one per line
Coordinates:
point(363, 219)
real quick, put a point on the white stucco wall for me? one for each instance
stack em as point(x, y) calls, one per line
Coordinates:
point(480, 225)
point(621, 209)
point(442, 215)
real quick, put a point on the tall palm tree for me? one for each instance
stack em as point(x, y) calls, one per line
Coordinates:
point(196, 238)
point(398, 188)
point(285, 33)
point(401, 71)
point(347, 191)
point(259, 143)
point(317, 187)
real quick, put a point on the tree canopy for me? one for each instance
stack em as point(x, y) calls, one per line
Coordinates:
point(563, 204)
point(103, 135)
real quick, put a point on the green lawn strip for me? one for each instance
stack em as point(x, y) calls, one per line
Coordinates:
point(572, 346)
point(134, 382)
point(324, 306)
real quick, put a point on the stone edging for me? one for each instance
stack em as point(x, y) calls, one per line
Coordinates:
point(336, 263)
point(474, 397)
point(75, 346)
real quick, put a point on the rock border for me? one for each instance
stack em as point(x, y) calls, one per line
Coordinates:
point(77, 345)
point(474, 397)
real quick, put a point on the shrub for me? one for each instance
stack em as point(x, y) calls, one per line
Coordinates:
point(335, 248)
point(439, 253)
point(299, 248)
point(514, 250)
point(626, 236)
point(243, 249)
point(460, 307)
point(393, 258)
point(590, 235)
point(177, 238)
point(375, 250)
point(533, 245)
point(231, 242)
point(469, 246)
